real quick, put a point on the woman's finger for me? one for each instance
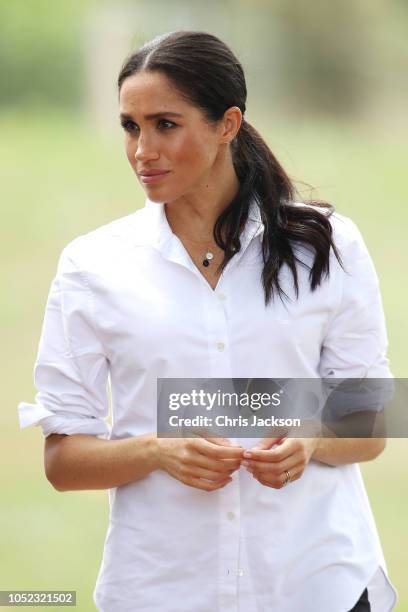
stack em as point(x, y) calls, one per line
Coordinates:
point(206, 485)
point(216, 465)
point(277, 481)
point(277, 454)
point(215, 451)
point(268, 467)
point(213, 475)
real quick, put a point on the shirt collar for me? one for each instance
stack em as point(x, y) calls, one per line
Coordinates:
point(157, 232)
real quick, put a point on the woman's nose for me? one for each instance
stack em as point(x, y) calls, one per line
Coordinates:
point(145, 149)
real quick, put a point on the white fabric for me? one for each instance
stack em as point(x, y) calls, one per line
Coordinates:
point(128, 303)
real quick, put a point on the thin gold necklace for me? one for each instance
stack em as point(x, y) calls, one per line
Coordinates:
point(209, 255)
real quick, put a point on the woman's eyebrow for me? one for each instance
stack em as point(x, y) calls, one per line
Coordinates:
point(152, 115)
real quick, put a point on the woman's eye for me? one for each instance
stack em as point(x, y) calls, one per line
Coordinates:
point(128, 125)
point(168, 124)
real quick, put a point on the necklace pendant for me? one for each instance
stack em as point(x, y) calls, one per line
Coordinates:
point(208, 257)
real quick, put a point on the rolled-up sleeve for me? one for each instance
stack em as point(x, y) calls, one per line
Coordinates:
point(355, 344)
point(71, 369)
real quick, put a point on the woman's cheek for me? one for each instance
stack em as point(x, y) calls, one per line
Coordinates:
point(130, 154)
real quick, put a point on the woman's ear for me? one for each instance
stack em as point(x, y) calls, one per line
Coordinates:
point(231, 123)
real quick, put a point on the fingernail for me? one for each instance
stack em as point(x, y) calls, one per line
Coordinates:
point(247, 454)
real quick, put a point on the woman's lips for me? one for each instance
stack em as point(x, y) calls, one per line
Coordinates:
point(152, 178)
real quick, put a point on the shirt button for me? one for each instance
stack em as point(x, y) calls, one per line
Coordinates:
point(220, 346)
point(222, 296)
point(231, 515)
point(240, 572)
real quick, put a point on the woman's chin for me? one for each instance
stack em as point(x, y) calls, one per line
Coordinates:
point(160, 195)
point(154, 197)
point(154, 194)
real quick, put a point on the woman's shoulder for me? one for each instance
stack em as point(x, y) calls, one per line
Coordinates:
point(106, 239)
point(345, 231)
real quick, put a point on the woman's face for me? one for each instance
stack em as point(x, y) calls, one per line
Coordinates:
point(166, 133)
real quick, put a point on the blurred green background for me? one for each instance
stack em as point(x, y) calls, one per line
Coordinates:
point(328, 90)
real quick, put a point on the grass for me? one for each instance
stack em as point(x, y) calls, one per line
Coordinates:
point(60, 180)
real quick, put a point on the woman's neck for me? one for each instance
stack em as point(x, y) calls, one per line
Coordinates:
point(195, 214)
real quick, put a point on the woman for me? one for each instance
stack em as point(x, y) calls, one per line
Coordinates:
point(221, 275)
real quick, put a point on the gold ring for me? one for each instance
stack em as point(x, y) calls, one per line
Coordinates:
point(287, 478)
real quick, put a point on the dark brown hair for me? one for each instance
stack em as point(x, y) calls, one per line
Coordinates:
point(207, 74)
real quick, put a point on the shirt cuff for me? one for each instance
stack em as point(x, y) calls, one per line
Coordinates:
point(61, 422)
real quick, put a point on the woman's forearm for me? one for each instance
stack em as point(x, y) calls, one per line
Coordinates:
point(338, 451)
point(78, 462)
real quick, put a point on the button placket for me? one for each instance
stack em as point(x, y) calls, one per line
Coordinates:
point(229, 545)
point(217, 333)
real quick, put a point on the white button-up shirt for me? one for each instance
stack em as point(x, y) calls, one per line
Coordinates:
point(129, 304)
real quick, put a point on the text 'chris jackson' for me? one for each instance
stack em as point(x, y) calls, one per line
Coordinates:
point(225, 421)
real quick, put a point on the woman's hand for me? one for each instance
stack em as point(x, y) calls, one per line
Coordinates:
point(203, 463)
point(269, 465)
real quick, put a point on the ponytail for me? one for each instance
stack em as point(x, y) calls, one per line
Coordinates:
point(262, 178)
